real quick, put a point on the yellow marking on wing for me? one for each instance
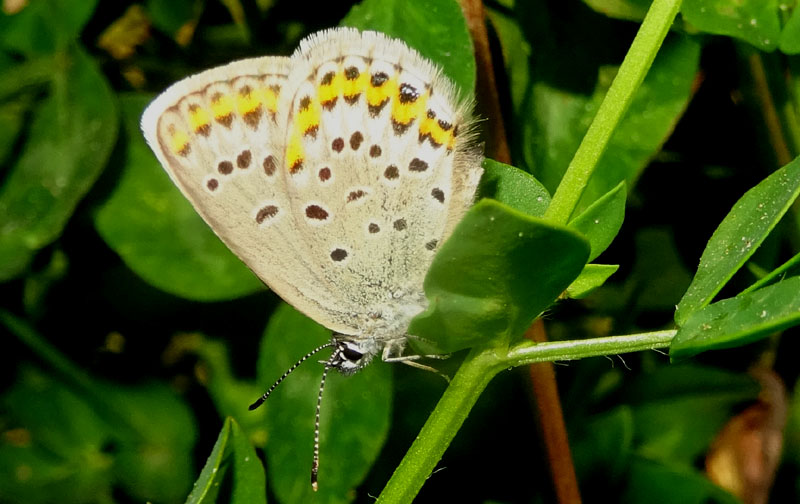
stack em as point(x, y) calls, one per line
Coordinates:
point(247, 103)
point(179, 143)
point(440, 136)
point(404, 113)
point(221, 106)
point(269, 98)
point(452, 143)
point(377, 94)
point(356, 86)
point(307, 119)
point(328, 92)
point(199, 119)
point(294, 152)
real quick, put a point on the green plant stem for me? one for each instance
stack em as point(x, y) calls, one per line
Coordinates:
point(631, 73)
point(477, 370)
point(528, 352)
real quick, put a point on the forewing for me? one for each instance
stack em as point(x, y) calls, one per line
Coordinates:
point(220, 138)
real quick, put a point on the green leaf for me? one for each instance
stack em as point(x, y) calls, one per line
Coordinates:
point(678, 410)
point(233, 466)
point(551, 118)
point(12, 115)
point(63, 456)
point(171, 16)
point(155, 230)
point(150, 429)
point(44, 26)
point(207, 487)
point(435, 28)
point(152, 434)
point(157, 434)
point(740, 320)
point(657, 483)
point(601, 222)
point(631, 10)
point(592, 277)
point(496, 273)
point(790, 35)
point(69, 143)
point(513, 187)
point(787, 269)
point(655, 110)
point(17, 90)
point(355, 414)
point(603, 445)
point(228, 392)
point(738, 236)
point(754, 21)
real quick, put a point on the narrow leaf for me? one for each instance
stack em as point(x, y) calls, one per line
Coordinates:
point(740, 320)
point(738, 236)
point(601, 222)
point(207, 487)
point(592, 277)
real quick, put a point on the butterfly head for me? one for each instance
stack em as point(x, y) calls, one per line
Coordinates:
point(349, 355)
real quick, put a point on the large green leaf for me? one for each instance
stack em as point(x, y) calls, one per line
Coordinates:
point(156, 231)
point(666, 405)
point(738, 236)
point(71, 137)
point(104, 434)
point(44, 26)
point(552, 113)
point(435, 28)
point(355, 414)
point(739, 320)
point(493, 276)
point(657, 483)
point(754, 21)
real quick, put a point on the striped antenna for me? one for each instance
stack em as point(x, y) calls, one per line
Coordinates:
point(264, 397)
point(315, 463)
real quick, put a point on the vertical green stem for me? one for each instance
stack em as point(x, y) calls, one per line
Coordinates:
point(475, 373)
point(631, 73)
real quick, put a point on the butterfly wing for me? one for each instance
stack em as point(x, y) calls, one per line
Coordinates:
point(219, 137)
point(380, 167)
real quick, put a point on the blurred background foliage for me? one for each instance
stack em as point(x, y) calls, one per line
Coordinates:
point(130, 332)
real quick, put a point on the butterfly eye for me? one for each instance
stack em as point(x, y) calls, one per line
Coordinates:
point(351, 355)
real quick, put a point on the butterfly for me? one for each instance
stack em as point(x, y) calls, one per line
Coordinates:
point(334, 174)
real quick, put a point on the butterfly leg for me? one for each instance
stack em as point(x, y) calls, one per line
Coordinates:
point(392, 352)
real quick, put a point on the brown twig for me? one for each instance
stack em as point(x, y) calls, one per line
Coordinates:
point(486, 88)
point(543, 378)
